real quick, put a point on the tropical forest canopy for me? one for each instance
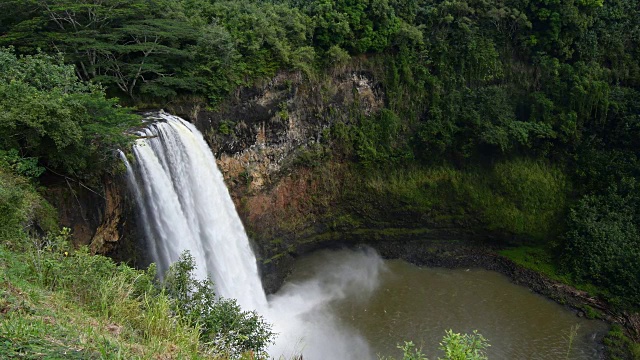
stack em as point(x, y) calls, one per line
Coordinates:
point(547, 90)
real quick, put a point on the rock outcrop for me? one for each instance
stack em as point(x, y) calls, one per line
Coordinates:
point(101, 218)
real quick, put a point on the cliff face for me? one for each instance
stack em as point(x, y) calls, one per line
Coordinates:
point(102, 219)
point(118, 222)
point(291, 192)
point(257, 133)
point(266, 141)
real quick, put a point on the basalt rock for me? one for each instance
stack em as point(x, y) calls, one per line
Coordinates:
point(101, 218)
point(257, 133)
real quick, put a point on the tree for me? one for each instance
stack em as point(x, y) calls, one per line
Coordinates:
point(127, 44)
point(602, 244)
point(358, 26)
point(46, 112)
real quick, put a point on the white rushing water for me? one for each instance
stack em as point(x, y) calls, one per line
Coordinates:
point(183, 204)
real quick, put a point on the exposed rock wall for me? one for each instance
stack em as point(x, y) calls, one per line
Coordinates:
point(79, 208)
point(115, 219)
point(256, 133)
point(101, 218)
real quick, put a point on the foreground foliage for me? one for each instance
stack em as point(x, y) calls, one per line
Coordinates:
point(619, 346)
point(223, 325)
point(454, 345)
point(61, 302)
point(113, 311)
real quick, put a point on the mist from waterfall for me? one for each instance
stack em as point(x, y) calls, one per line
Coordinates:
point(183, 204)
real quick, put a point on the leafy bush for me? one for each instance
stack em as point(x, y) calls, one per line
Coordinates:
point(454, 345)
point(602, 244)
point(378, 142)
point(464, 346)
point(22, 209)
point(619, 346)
point(222, 323)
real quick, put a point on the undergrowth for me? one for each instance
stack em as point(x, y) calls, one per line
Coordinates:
point(58, 302)
point(62, 303)
point(524, 198)
point(619, 346)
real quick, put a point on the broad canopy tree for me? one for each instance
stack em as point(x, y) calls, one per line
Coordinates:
point(129, 45)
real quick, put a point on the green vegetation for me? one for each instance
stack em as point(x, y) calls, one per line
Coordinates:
point(454, 345)
point(519, 117)
point(538, 259)
point(603, 242)
point(50, 118)
point(21, 208)
point(58, 302)
point(523, 197)
point(223, 326)
point(619, 346)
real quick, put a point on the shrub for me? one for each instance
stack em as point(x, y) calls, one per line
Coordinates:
point(464, 346)
point(619, 346)
point(222, 323)
point(602, 244)
point(22, 209)
point(455, 346)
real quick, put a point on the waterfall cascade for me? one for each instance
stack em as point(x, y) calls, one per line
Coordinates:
point(183, 204)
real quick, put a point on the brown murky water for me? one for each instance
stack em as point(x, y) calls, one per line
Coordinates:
point(419, 304)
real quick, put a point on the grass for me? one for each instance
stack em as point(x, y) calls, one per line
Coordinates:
point(50, 327)
point(68, 304)
point(619, 346)
point(37, 322)
point(540, 260)
point(537, 259)
point(522, 197)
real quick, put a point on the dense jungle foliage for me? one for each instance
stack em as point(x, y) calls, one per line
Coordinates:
point(510, 98)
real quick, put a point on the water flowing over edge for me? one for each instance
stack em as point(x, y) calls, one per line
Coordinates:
point(183, 204)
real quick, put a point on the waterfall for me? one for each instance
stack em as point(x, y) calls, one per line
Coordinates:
point(185, 205)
